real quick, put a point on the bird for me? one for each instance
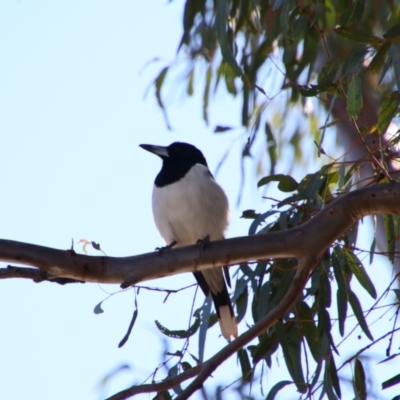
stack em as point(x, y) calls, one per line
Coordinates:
point(190, 207)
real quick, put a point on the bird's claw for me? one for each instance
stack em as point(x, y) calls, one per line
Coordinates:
point(204, 242)
point(167, 247)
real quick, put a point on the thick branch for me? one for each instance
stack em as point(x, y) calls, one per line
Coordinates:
point(308, 239)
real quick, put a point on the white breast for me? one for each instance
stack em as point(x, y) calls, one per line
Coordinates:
point(192, 208)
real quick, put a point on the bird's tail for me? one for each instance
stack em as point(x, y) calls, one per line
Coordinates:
point(212, 282)
point(226, 317)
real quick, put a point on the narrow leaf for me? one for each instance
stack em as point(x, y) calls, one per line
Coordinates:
point(388, 111)
point(276, 388)
point(267, 346)
point(221, 22)
point(357, 35)
point(391, 382)
point(355, 14)
point(247, 371)
point(393, 356)
point(286, 182)
point(389, 223)
point(309, 329)
point(206, 94)
point(205, 317)
point(241, 304)
point(132, 323)
point(221, 129)
point(341, 294)
point(271, 147)
point(189, 90)
point(158, 83)
point(358, 312)
point(397, 293)
point(354, 97)
point(293, 365)
point(359, 272)
point(360, 386)
point(328, 384)
point(394, 55)
point(353, 63)
point(392, 32)
point(334, 376)
point(181, 333)
point(172, 372)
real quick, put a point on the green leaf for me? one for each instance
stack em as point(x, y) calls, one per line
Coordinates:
point(220, 21)
point(221, 129)
point(397, 293)
point(358, 312)
point(293, 363)
point(247, 371)
point(354, 97)
point(353, 63)
point(392, 32)
point(192, 7)
point(206, 95)
point(390, 358)
point(391, 224)
point(284, 19)
point(394, 56)
point(181, 333)
point(341, 299)
point(380, 57)
point(96, 246)
point(189, 90)
point(391, 382)
point(330, 72)
point(324, 290)
point(357, 35)
point(250, 214)
point(128, 333)
point(205, 318)
point(342, 173)
point(309, 328)
point(341, 294)
point(98, 309)
point(241, 304)
point(388, 111)
point(353, 15)
point(267, 346)
point(286, 182)
point(311, 184)
point(164, 395)
point(271, 147)
point(158, 83)
point(359, 272)
point(328, 384)
point(276, 388)
point(172, 372)
point(334, 376)
point(360, 386)
point(258, 220)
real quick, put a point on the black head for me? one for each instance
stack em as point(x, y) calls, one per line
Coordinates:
point(177, 158)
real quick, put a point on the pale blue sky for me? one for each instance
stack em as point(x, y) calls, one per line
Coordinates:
point(72, 113)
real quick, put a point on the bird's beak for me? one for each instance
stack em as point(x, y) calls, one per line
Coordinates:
point(159, 150)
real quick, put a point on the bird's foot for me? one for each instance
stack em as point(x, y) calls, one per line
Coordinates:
point(204, 242)
point(167, 247)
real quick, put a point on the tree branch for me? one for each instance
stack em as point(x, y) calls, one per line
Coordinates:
point(306, 242)
point(308, 239)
